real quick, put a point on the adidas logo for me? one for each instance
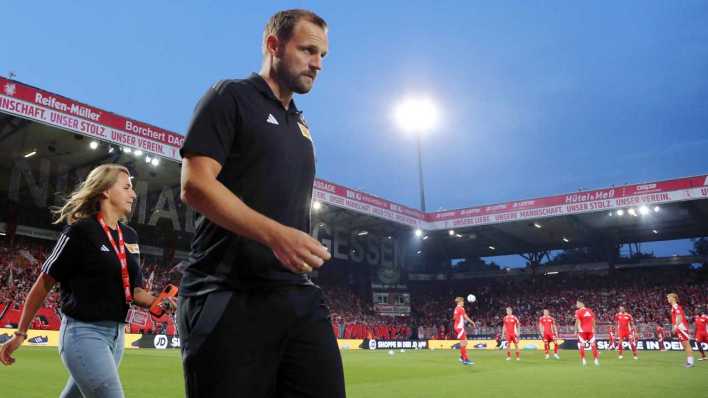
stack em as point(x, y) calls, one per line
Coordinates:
point(41, 340)
point(272, 120)
point(104, 248)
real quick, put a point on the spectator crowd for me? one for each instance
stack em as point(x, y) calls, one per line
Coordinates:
point(642, 291)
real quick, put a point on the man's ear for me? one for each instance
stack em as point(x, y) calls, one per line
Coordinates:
point(272, 45)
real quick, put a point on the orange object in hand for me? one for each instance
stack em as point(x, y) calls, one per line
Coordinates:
point(157, 309)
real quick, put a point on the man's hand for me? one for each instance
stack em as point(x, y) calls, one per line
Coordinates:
point(298, 251)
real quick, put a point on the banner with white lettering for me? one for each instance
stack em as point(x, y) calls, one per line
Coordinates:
point(54, 110)
point(642, 345)
point(640, 197)
point(394, 344)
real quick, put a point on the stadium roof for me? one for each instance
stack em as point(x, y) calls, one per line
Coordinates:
point(31, 120)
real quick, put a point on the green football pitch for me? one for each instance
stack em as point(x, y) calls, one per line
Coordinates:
point(38, 372)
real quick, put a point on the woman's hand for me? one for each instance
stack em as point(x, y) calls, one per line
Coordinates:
point(8, 348)
point(169, 305)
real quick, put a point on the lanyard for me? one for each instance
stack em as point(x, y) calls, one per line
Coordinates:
point(120, 252)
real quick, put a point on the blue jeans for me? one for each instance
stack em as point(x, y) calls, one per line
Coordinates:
point(91, 352)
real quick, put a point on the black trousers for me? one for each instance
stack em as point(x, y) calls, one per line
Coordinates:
point(276, 343)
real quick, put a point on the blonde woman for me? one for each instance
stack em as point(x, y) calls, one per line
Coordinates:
point(96, 263)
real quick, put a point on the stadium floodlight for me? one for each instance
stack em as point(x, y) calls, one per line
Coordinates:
point(425, 237)
point(155, 162)
point(93, 145)
point(620, 212)
point(316, 205)
point(566, 240)
point(127, 149)
point(110, 149)
point(492, 248)
point(418, 232)
point(632, 212)
point(656, 209)
point(419, 252)
point(2, 234)
point(451, 232)
point(655, 232)
point(644, 210)
point(389, 237)
point(30, 154)
point(610, 214)
point(363, 233)
point(458, 235)
point(417, 115)
point(537, 225)
point(138, 153)
point(147, 159)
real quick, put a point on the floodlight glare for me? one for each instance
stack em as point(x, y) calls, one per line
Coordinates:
point(643, 210)
point(93, 145)
point(416, 114)
point(316, 205)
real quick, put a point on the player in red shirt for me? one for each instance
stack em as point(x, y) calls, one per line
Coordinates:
point(547, 329)
point(701, 322)
point(660, 333)
point(625, 327)
point(679, 325)
point(459, 318)
point(585, 326)
point(511, 331)
point(611, 334)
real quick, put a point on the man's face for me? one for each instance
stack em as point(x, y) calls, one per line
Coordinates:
point(299, 60)
point(508, 311)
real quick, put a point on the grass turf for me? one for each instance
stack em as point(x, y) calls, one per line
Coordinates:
point(38, 372)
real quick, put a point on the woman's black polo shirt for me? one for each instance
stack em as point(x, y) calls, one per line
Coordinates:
point(268, 161)
point(88, 271)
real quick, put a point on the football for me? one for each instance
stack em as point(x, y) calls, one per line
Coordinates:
point(471, 298)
